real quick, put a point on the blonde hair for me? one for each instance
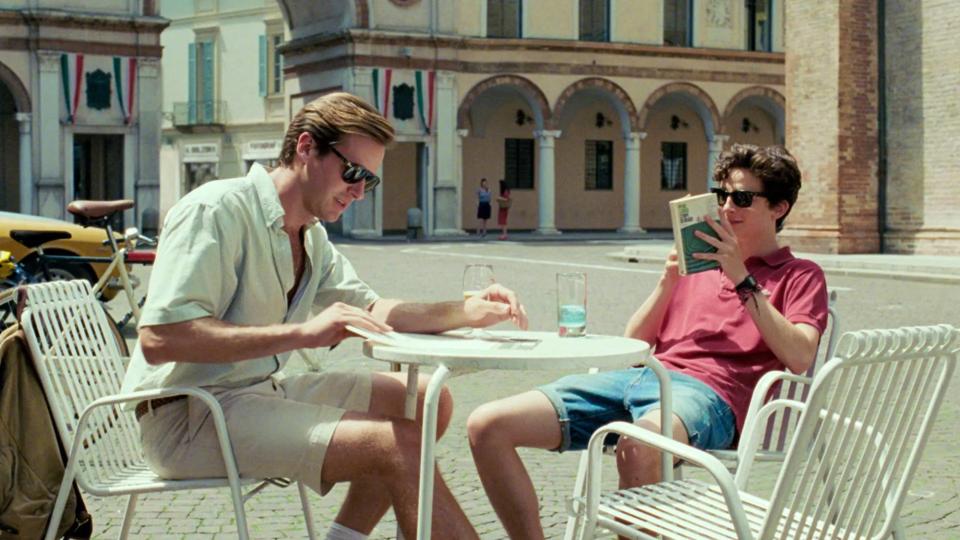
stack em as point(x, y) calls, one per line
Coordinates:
point(328, 118)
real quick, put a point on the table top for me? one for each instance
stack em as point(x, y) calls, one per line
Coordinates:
point(510, 349)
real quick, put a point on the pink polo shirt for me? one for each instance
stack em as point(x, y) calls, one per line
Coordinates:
point(709, 335)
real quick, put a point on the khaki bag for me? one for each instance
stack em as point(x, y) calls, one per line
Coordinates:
point(504, 202)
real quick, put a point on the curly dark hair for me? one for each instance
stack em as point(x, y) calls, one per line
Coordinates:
point(774, 166)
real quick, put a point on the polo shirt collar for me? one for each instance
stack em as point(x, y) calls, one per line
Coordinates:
point(267, 195)
point(773, 260)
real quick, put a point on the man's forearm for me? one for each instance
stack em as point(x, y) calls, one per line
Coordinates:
point(423, 318)
point(795, 345)
point(210, 340)
point(645, 322)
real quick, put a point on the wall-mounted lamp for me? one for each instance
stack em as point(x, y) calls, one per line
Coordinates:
point(747, 125)
point(522, 118)
point(676, 122)
point(602, 120)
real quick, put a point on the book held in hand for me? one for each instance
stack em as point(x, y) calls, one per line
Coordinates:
point(688, 214)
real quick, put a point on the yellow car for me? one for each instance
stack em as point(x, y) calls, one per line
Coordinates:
point(83, 242)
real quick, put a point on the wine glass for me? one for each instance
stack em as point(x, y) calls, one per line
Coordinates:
point(476, 278)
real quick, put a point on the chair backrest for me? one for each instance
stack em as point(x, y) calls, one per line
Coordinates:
point(781, 425)
point(862, 433)
point(78, 361)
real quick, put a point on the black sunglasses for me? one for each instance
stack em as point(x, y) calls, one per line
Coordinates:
point(356, 173)
point(742, 199)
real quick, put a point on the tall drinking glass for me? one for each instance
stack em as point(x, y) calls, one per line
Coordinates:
point(476, 278)
point(572, 303)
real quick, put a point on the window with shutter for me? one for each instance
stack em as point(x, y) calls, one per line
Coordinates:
point(598, 161)
point(673, 166)
point(677, 23)
point(518, 163)
point(503, 18)
point(594, 20)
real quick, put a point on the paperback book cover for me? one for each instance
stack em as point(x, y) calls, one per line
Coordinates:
point(688, 214)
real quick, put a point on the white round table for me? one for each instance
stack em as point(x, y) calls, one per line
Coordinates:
point(484, 349)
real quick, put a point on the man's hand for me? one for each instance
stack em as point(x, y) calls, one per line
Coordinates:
point(728, 250)
point(671, 268)
point(328, 328)
point(495, 304)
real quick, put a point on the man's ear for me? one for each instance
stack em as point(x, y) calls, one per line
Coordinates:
point(780, 209)
point(305, 144)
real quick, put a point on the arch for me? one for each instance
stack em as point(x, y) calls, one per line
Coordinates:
point(694, 96)
point(629, 119)
point(530, 92)
point(21, 98)
point(764, 98)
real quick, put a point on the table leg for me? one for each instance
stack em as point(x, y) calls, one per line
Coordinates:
point(431, 403)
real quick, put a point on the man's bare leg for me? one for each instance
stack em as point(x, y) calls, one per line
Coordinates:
point(496, 430)
point(639, 464)
point(387, 450)
point(368, 500)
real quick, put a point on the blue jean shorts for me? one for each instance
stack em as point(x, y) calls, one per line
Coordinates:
point(588, 401)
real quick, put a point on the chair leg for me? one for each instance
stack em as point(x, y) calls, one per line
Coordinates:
point(128, 516)
point(897, 532)
point(307, 513)
point(66, 486)
point(575, 521)
point(236, 494)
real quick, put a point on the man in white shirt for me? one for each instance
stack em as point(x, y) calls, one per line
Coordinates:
point(240, 265)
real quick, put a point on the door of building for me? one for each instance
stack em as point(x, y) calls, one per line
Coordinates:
point(98, 169)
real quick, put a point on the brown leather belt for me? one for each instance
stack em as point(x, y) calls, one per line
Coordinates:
point(144, 406)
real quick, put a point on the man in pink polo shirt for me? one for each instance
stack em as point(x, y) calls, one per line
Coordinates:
point(717, 332)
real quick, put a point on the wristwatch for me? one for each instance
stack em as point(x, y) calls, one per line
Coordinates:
point(746, 288)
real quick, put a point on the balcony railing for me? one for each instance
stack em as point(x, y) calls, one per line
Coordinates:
point(199, 113)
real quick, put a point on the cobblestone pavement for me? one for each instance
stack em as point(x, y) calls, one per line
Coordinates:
point(431, 272)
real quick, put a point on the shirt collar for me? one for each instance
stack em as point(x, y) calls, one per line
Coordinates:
point(267, 195)
point(773, 259)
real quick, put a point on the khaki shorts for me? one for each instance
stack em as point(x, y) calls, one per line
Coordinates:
point(280, 427)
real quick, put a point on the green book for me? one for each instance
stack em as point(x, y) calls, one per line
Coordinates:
point(688, 214)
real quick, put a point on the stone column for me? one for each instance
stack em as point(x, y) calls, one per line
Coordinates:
point(631, 183)
point(364, 218)
point(546, 181)
point(461, 135)
point(53, 180)
point(714, 147)
point(448, 182)
point(145, 144)
point(26, 164)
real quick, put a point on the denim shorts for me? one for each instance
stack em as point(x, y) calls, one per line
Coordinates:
point(588, 401)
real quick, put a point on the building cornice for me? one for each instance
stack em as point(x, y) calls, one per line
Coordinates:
point(363, 37)
point(550, 68)
point(83, 47)
point(83, 20)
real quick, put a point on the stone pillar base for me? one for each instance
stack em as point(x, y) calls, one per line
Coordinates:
point(547, 231)
point(449, 233)
point(631, 230)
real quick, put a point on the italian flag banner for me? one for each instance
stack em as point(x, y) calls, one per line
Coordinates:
point(403, 95)
point(125, 80)
point(71, 75)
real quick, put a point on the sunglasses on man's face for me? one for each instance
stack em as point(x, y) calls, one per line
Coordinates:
point(742, 199)
point(353, 173)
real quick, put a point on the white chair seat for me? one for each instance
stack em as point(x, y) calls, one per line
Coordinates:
point(690, 509)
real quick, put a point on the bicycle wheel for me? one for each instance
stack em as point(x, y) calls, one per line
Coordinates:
point(117, 334)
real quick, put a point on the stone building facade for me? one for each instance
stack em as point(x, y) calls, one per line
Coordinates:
point(595, 112)
point(79, 105)
point(875, 124)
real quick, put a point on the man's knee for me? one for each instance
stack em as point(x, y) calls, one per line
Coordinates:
point(487, 424)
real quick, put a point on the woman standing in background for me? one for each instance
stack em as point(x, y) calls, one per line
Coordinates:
point(483, 207)
point(504, 202)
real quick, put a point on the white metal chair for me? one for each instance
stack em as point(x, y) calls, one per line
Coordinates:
point(781, 425)
point(847, 470)
point(81, 371)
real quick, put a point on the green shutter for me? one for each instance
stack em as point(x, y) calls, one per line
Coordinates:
point(263, 66)
point(191, 83)
point(208, 97)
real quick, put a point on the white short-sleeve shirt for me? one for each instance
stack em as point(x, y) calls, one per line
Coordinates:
point(223, 254)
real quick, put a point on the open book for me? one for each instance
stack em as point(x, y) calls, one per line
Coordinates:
point(687, 215)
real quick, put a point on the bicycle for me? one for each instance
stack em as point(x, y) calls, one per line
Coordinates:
point(45, 266)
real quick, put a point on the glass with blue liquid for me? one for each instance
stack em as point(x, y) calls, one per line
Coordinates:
point(572, 303)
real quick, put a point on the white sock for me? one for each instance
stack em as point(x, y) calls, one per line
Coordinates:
point(339, 532)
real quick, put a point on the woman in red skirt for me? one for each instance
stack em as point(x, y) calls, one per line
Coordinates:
point(504, 202)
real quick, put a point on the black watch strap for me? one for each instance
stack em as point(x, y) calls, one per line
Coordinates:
point(747, 287)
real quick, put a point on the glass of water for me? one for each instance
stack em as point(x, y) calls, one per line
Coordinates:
point(476, 278)
point(572, 303)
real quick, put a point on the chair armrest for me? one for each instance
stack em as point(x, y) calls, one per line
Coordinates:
point(753, 435)
point(762, 390)
point(219, 422)
point(686, 452)
point(666, 410)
